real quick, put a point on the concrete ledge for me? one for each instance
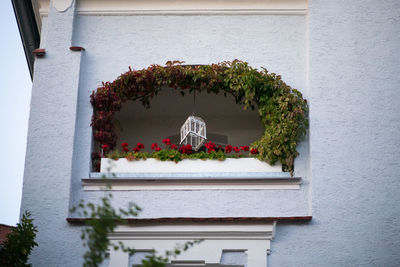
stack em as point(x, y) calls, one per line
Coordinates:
point(203, 220)
point(76, 48)
point(191, 175)
point(190, 181)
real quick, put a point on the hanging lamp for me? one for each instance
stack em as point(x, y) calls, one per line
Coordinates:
point(193, 131)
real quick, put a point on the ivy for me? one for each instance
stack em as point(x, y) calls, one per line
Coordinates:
point(282, 109)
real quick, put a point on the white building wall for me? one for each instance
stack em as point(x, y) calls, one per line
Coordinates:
point(342, 56)
point(112, 43)
point(354, 139)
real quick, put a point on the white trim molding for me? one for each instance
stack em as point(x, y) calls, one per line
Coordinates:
point(62, 5)
point(185, 7)
point(252, 239)
point(195, 183)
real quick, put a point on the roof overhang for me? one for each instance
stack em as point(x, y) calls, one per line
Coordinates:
point(28, 29)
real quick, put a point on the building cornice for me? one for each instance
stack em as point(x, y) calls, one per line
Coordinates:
point(203, 220)
point(185, 7)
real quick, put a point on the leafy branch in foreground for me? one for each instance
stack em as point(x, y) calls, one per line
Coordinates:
point(103, 219)
point(19, 244)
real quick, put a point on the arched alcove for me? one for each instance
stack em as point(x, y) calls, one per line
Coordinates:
point(169, 109)
point(282, 109)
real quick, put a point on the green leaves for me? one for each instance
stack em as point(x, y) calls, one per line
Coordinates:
point(103, 219)
point(16, 249)
point(176, 156)
point(283, 111)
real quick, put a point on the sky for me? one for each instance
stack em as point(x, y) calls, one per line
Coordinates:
point(15, 97)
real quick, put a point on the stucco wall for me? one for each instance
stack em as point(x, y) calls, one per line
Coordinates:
point(50, 146)
point(343, 56)
point(354, 139)
point(113, 43)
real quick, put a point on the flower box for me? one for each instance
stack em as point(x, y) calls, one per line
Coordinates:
point(152, 165)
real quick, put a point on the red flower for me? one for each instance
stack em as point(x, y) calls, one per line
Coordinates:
point(210, 145)
point(173, 146)
point(186, 149)
point(166, 141)
point(104, 147)
point(228, 149)
point(254, 151)
point(136, 149)
point(157, 149)
point(125, 144)
point(125, 149)
point(236, 149)
point(220, 147)
point(154, 146)
point(244, 148)
point(140, 145)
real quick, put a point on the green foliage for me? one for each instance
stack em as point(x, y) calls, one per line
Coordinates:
point(102, 221)
point(168, 154)
point(15, 251)
point(283, 111)
point(115, 154)
point(220, 155)
point(173, 155)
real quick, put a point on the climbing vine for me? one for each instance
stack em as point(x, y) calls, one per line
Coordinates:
point(282, 109)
